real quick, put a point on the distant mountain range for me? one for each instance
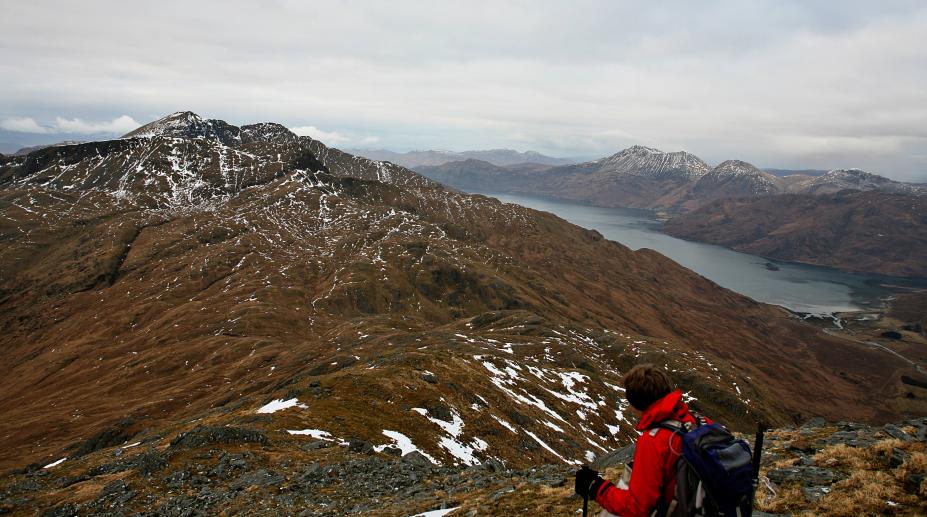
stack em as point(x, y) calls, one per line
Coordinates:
point(791, 215)
point(644, 177)
point(500, 157)
point(792, 172)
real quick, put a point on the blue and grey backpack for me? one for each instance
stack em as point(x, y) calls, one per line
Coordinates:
point(714, 474)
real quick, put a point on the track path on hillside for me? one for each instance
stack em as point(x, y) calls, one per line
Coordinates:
point(915, 364)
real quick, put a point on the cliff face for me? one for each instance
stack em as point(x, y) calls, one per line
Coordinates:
point(854, 231)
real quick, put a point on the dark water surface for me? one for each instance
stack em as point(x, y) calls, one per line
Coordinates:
point(798, 287)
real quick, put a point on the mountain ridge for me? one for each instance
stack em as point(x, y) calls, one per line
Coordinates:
point(646, 177)
point(166, 279)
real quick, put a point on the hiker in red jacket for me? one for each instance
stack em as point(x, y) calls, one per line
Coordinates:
point(653, 480)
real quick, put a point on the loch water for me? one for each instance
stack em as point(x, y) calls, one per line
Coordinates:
point(798, 287)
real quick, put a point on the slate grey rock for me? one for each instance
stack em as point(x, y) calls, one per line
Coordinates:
point(850, 439)
point(805, 476)
point(319, 444)
point(896, 432)
point(361, 446)
point(312, 469)
point(208, 435)
point(261, 477)
point(177, 479)
point(615, 458)
point(814, 493)
point(440, 410)
point(429, 378)
point(69, 480)
point(807, 461)
point(116, 434)
point(493, 465)
point(228, 463)
point(148, 463)
point(417, 459)
point(898, 457)
point(114, 487)
point(392, 451)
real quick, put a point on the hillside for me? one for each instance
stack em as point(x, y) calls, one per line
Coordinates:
point(185, 277)
point(853, 231)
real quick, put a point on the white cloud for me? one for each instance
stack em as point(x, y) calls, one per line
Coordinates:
point(23, 125)
point(333, 137)
point(117, 126)
point(327, 137)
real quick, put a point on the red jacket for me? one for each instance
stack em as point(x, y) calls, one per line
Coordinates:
point(654, 474)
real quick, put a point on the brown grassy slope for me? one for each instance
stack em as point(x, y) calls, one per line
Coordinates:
point(117, 306)
point(872, 232)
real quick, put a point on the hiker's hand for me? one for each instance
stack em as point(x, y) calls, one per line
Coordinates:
point(585, 478)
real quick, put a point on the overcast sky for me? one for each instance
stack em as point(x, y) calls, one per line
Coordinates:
point(799, 84)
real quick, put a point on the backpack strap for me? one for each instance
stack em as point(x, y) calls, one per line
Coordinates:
point(676, 426)
point(700, 419)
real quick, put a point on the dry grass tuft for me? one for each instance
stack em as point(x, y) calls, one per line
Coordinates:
point(788, 499)
point(916, 464)
point(884, 447)
point(865, 492)
point(784, 463)
point(845, 457)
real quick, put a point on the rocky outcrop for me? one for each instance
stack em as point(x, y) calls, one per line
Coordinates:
point(819, 468)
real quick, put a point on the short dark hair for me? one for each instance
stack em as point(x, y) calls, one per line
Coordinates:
point(646, 384)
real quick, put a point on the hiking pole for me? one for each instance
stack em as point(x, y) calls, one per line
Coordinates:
point(761, 427)
point(585, 504)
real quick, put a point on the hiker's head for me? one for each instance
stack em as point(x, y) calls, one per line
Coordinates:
point(646, 384)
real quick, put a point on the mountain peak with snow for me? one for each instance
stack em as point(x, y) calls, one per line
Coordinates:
point(187, 124)
point(858, 179)
point(735, 178)
point(639, 160)
point(737, 168)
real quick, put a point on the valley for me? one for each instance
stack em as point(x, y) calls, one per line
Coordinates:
point(197, 284)
point(835, 219)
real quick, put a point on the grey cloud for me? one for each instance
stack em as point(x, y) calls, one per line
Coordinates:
point(788, 84)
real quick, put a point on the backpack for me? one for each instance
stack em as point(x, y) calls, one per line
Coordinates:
point(714, 473)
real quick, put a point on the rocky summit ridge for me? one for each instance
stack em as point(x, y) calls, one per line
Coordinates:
point(199, 302)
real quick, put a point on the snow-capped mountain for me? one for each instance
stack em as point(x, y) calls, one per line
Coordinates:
point(641, 177)
point(647, 161)
point(734, 179)
point(853, 179)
